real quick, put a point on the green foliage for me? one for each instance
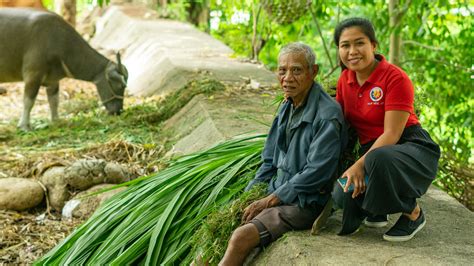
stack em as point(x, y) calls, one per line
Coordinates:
point(237, 31)
point(286, 11)
point(154, 219)
point(210, 240)
point(174, 10)
point(275, 34)
point(49, 4)
point(436, 53)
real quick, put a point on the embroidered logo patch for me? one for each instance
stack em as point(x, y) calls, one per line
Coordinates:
point(376, 94)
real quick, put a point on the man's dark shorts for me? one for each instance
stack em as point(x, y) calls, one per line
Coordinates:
point(273, 222)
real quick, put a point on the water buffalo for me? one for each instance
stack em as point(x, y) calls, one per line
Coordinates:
point(40, 48)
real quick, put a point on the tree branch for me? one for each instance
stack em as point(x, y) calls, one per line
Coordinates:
point(441, 62)
point(422, 45)
point(256, 15)
point(401, 12)
point(330, 72)
point(321, 35)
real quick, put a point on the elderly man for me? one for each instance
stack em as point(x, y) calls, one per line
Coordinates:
point(300, 158)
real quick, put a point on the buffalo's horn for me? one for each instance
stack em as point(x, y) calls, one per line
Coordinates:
point(119, 62)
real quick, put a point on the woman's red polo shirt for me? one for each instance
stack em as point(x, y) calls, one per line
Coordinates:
point(387, 88)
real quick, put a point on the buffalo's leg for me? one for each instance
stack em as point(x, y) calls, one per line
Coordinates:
point(29, 97)
point(53, 99)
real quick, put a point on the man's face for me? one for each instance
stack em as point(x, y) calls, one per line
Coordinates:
point(295, 77)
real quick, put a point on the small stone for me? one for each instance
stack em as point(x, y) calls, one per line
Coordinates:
point(254, 84)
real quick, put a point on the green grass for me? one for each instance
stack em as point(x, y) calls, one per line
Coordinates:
point(210, 240)
point(85, 122)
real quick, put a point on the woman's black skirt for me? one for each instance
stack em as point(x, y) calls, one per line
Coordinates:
point(400, 173)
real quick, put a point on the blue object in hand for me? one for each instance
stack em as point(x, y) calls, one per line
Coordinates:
point(342, 182)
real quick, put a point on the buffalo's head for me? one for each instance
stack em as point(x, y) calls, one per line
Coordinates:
point(111, 86)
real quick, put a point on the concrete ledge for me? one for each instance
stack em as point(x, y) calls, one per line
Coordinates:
point(447, 239)
point(162, 55)
point(205, 121)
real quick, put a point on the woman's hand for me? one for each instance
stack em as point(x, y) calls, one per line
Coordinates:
point(355, 175)
point(258, 206)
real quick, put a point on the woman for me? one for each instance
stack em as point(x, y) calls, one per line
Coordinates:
point(399, 158)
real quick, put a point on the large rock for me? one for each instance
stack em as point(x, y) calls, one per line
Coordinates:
point(447, 239)
point(19, 194)
point(173, 52)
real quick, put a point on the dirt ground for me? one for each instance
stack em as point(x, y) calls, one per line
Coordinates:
point(26, 236)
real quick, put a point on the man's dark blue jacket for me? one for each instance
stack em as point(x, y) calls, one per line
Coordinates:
point(300, 172)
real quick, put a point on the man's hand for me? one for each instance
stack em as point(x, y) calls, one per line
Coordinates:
point(258, 206)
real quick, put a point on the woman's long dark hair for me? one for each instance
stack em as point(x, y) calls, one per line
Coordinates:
point(365, 26)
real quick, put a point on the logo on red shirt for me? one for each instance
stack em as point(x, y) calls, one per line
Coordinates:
point(376, 94)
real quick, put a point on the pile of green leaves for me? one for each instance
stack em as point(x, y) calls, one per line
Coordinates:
point(210, 240)
point(153, 221)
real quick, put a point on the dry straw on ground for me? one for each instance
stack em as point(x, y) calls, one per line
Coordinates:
point(26, 236)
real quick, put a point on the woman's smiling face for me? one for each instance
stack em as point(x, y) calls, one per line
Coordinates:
point(356, 50)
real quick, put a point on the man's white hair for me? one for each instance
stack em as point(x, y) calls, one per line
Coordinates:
point(298, 47)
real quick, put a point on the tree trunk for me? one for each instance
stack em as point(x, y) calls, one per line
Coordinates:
point(163, 3)
point(198, 14)
point(395, 39)
point(257, 42)
point(67, 9)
